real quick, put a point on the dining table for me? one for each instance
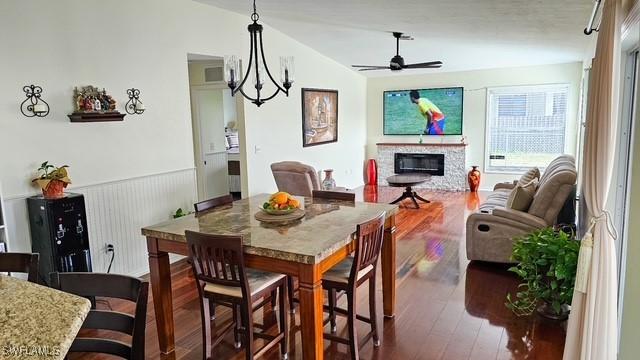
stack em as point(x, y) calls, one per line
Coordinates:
point(38, 322)
point(304, 248)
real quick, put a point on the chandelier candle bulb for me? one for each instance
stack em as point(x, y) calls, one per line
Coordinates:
point(286, 71)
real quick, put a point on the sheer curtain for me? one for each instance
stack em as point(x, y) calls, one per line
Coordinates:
point(592, 329)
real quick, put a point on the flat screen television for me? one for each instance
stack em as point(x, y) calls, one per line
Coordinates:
point(423, 111)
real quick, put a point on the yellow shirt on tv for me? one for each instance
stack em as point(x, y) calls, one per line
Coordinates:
point(425, 106)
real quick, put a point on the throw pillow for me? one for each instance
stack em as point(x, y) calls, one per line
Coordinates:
point(521, 196)
point(533, 173)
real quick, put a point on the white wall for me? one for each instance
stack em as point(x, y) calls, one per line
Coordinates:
point(120, 44)
point(475, 84)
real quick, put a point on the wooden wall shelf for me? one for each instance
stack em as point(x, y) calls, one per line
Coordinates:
point(96, 116)
point(423, 144)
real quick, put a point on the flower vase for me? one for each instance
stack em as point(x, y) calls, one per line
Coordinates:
point(328, 183)
point(474, 178)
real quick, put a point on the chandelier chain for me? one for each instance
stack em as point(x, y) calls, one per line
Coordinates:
point(255, 15)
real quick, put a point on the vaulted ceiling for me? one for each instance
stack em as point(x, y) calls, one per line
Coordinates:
point(464, 34)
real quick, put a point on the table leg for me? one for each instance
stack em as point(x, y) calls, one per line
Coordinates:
point(389, 267)
point(311, 300)
point(415, 195)
point(162, 303)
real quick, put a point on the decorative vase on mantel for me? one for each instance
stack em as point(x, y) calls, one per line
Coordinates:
point(328, 183)
point(474, 178)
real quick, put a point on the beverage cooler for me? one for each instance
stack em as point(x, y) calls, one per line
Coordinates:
point(59, 233)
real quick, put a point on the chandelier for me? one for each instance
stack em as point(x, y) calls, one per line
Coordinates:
point(257, 67)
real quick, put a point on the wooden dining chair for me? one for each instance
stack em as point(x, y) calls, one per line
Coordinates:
point(27, 263)
point(222, 278)
point(347, 276)
point(325, 195)
point(334, 195)
point(111, 286)
point(213, 203)
point(207, 205)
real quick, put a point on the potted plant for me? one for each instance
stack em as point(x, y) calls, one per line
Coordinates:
point(547, 261)
point(52, 180)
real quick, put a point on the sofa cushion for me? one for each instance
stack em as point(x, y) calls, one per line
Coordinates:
point(495, 199)
point(533, 173)
point(521, 196)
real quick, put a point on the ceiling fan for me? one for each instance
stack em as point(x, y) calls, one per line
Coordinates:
point(397, 62)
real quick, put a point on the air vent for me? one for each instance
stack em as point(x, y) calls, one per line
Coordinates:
point(213, 74)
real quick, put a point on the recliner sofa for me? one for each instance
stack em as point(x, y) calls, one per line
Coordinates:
point(491, 230)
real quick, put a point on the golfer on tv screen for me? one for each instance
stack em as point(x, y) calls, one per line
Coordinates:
point(432, 114)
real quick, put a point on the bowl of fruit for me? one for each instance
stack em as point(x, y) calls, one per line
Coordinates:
point(280, 203)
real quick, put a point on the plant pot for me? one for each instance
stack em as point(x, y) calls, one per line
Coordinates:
point(474, 179)
point(54, 190)
point(546, 310)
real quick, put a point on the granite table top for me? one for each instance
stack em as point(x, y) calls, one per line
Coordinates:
point(37, 322)
point(327, 226)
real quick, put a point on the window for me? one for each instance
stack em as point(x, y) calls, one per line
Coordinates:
point(525, 126)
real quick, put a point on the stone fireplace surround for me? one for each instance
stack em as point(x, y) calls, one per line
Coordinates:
point(455, 169)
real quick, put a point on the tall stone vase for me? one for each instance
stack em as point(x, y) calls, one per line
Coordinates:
point(473, 177)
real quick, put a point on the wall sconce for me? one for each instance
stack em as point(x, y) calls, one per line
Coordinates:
point(134, 105)
point(34, 105)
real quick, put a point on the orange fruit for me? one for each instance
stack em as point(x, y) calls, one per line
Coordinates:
point(294, 203)
point(280, 197)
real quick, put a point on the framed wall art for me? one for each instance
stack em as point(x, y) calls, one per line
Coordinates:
point(319, 116)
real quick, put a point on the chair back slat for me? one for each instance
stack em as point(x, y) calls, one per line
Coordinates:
point(334, 195)
point(21, 263)
point(109, 320)
point(98, 284)
point(104, 346)
point(110, 286)
point(217, 259)
point(368, 244)
point(213, 203)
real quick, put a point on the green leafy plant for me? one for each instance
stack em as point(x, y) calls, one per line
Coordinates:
point(547, 261)
point(180, 213)
point(48, 173)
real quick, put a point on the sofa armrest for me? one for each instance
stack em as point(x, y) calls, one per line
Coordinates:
point(505, 185)
point(520, 216)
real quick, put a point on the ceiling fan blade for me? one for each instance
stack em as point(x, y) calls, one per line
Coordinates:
point(376, 68)
point(371, 66)
point(425, 65)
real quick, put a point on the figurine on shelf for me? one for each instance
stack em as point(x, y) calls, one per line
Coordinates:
point(79, 99)
point(97, 105)
point(88, 104)
point(105, 101)
point(109, 100)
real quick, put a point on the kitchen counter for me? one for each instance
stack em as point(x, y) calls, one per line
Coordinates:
point(37, 322)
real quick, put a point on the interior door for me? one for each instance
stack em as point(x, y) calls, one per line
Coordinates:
point(211, 154)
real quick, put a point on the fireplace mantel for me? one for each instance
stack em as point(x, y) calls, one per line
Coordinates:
point(423, 144)
point(455, 171)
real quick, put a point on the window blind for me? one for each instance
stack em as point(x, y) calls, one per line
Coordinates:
point(525, 126)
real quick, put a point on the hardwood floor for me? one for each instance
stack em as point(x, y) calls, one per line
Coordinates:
point(447, 308)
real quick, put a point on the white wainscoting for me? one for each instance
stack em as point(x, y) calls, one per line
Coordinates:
point(116, 211)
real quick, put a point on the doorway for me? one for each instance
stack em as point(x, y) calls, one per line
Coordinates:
point(215, 120)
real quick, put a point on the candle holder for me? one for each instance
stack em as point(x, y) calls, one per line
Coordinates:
point(134, 105)
point(34, 105)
